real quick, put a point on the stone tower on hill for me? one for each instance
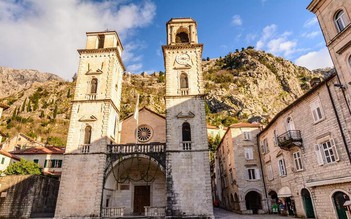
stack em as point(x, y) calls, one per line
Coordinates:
point(187, 166)
point(93, 125)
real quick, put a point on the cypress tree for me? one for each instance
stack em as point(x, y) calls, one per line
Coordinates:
point(24, 105)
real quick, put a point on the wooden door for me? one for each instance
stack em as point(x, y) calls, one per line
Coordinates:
point(141, 199)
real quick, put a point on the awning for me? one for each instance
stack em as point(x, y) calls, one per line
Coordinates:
point(284, 192)
point(347, 203)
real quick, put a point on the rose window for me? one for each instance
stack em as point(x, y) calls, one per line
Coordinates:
point(144, 133)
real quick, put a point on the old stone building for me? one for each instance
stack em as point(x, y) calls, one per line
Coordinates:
point(146, 164)
point(305, 158)
point(239, 185)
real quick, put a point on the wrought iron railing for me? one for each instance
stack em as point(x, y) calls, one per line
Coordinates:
point(290, 139)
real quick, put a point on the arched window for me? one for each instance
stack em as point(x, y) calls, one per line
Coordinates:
point(94, 83)
point(186, 131)
point(184, 81)
point(87, 134)
point(182, 37)
point(339, 20)
point(290, 124)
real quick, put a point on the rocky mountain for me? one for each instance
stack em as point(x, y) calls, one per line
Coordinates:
point(246, 85)
point(13, 80)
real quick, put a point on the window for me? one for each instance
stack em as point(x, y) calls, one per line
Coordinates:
point(182, 37)
point(186, 136)
point(326, 152)
point(101, 41)
point(350, 61)
point(297, 161)
point(290, 124)
point(282, 168)
point(184, 81)
point(225, 183)
point(340, 20)
point(87, 135)
point(247, 136)
point(253, 173)
point(36, 160)
point(3, 160)
point(270, 174)
point(144, 133)
point(53, 163)
point(228, 157)
point(93, 88)
point(316, 110)
point(264, 146)
point(248, 153)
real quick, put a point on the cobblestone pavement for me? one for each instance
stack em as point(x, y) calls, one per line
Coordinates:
point(223, 214)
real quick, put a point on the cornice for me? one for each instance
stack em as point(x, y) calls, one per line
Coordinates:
point(103, 50)
point(99, 100)
point(182, 46)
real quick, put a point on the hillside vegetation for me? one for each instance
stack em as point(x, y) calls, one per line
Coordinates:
point(246, 85)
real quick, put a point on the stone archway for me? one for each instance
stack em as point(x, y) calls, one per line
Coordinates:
point(307, 203)
point(133, 183)
point(253, 201)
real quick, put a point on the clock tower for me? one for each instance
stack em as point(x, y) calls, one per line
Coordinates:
point(188, 171)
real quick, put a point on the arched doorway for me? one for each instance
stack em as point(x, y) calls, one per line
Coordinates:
point(339, 198)
point(253, 201)
point(274, 201)
point(133, 183)
point(307, 203)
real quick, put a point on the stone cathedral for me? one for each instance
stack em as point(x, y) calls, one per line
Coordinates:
point(147, 165)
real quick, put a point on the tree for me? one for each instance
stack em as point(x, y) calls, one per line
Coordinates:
point(29, 107)
point(14, 114)
point(69, 93)
point(208, 59)
point(24, 104)
point(23, 167)
point(55, 112)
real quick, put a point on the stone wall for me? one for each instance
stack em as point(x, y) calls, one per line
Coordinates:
point(27, 196)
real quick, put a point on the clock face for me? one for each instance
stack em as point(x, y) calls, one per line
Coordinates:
point(183, 59)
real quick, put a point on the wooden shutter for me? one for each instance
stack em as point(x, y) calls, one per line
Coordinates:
point(332, 142)
point(319, 155)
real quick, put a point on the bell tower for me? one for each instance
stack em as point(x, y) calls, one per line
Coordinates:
point(93, 124)
point(188, 171)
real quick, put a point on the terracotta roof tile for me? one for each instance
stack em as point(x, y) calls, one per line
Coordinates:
point(7, 154)
point(41, 150)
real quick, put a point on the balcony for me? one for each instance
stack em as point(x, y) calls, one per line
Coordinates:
point(84, 148)
point(90, 96)
point(290, 139)
point(186, 145)
point(184, 91)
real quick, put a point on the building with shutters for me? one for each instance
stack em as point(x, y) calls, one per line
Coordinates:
point(239, 185)
point(304, 155)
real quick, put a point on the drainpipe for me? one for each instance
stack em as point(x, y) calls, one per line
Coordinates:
point(343, 93)
point(339, 123)
point(264, 183)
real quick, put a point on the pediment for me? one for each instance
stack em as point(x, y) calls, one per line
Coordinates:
point(87, 119)
point(185, 115)
point(92, 72)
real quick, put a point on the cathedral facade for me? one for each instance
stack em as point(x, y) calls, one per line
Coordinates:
point(147, 164)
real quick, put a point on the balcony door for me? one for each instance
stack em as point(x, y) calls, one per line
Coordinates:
point(290, 124)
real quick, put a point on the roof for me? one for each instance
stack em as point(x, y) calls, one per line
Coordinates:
point(145, 108)
point(245, 125)
point(41, 150)
point(7, 154)
point(297, 101)
point(212, 127)
point(3, 106)
point(239, 125)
